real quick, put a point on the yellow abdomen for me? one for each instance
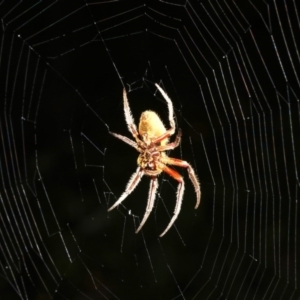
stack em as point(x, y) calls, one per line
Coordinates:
point(151, 124)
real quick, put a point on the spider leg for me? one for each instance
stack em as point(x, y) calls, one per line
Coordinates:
point(180, 191)
point(170, 108)
point(192, 175)
point(131, 185)
point(172, 145)
point(125, 139)
point(164, 136)
point(150, 203)
point(128, 116)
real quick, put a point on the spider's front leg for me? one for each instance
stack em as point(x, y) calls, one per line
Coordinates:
point(131, 185)
point(150, 203)
point(192, 175)
point(180, 191)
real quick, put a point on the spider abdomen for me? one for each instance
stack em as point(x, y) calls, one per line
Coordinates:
point(151, 125)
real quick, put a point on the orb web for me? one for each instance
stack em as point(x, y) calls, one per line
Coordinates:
point(231, 71)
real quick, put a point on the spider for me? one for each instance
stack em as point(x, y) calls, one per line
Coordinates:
point(151, 141)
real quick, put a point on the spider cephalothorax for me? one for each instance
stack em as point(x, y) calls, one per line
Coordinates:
point(151, 141)
point(149, 159)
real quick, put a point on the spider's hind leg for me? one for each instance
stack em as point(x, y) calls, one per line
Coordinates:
point(172, 145)
point(125, 139)
point(128, 116)
point(170, 109)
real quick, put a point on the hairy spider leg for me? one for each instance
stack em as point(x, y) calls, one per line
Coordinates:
point(180, 191)
point(192, 175)
point(128, 116)
point(150, 203)
point(125, 139)
point(131, 185)
point(169, 146)
point(170, 109)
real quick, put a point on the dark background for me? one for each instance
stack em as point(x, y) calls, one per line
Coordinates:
point(231, 70)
